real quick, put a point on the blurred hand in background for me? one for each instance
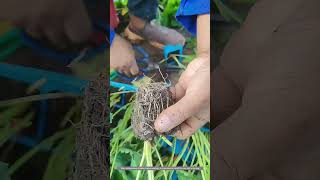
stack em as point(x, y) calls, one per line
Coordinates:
point(61, 22)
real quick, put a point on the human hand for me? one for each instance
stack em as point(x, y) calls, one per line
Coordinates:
point(58, 21)
point(192, 93)
point(122, 57)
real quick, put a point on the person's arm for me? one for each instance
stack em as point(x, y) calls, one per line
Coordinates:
point(203, 35)
point(122, 56)
point(192, 92)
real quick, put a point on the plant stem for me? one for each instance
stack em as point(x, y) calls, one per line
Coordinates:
point(36, 98)
point(47, 142)
point(141, 163)
point(147, 149)
point(159, 157)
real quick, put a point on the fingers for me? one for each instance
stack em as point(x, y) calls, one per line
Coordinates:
point(192, 68)
point(56, 37)
point(134, 69)
point(190, 126)
point(129, 71)
point(180, 88)
point(122, 57)
point(58, 34)
point(178, 91)
point(177, 113)
point(78, 27)
point(126, 71)
point(56, 21)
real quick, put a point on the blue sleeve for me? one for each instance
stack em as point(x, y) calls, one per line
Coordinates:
point(188, 12)
point(112, 35)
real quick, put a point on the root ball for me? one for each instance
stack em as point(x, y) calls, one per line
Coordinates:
point(151, 100)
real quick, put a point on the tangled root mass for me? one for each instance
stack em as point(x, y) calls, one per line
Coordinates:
point(92, 139)
point(151, 100)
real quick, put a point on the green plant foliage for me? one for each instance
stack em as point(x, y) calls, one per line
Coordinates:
point(166, 15)
point(11, 123)
point(60, 160)
point(126, 150)
point(33, 98)
point(122, 7)
point(4, 171)
point(188, 175)
point(48, 142)
point(121, 3)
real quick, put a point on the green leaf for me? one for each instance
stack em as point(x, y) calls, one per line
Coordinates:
point(124, 11)
point(36, 98)
point(60, 159)
point(71, 113)
point(48, 142)
point(116, 176)
point(186, 175)
point(135, 161)
point(10, 130)
point(4, 174)
point(124, 2)
point(168, 15)
point(166, 141)
point(114, 99)
point(7, 115)
point(122, 160)
point(126, 150)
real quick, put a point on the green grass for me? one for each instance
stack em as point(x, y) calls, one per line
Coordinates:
point(17, 114)
point(126, 150)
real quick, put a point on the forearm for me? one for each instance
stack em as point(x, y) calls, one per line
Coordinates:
point(203, 36)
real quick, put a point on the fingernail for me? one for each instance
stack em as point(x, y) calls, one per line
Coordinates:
point(163, 124)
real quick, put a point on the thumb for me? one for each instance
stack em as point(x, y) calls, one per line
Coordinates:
point(134, 69)
point(177, 113)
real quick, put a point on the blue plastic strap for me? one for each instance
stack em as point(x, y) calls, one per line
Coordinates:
point(54, 81)
point(169, 49)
